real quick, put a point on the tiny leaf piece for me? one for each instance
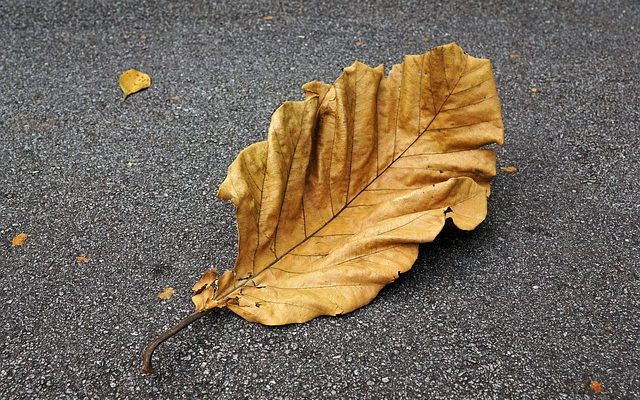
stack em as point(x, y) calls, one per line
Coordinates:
point(132, 81)
point(333, 205)
point(83, 259)
point(510, 169)
point(596, 386)
point(166, 293)
point(19, 239)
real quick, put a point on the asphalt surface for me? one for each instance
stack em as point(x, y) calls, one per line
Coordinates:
point(540, 300)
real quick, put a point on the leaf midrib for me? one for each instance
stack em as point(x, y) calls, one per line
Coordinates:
point(286, 253)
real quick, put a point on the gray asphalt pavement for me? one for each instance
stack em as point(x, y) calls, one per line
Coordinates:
point(540, 300)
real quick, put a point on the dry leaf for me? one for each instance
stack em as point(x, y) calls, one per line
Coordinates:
point(596, 386)
point(511, 169)
point(19, 239)
point(132, 81)
point(166, 293)
point(82, 259)
point(333, 205)
point(267, 18)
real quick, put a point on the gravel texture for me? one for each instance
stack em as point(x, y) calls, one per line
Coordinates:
point(541, 299)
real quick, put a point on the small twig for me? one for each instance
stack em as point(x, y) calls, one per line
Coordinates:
point(151, 347)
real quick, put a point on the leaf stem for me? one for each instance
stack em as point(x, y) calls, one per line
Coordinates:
point(147, 368)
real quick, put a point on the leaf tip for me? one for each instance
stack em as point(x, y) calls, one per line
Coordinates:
point(510, 169)
point(82, 259)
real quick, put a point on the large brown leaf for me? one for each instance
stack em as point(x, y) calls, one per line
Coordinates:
point(333, 205)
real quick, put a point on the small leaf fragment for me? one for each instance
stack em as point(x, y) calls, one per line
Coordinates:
point(207, 279)
point(267, 18)
point(596, 386)
point(82, 259)
point(166, 293)
point(132, 81)
point(510, 169)
point(534, 90)
point(19, 239)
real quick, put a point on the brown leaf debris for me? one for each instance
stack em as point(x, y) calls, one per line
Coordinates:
point(19, 239)
point(83, 259)
point(166, 293)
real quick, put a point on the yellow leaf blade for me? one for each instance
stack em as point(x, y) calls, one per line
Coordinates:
point(132, 81)
point(333, 205)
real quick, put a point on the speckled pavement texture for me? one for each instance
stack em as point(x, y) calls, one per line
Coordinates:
point(540, 300)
